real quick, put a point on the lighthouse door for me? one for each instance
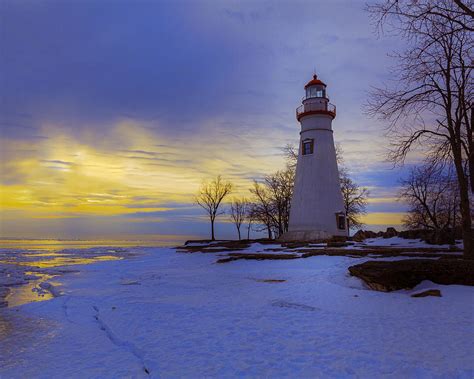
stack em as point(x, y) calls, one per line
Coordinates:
point(341, 221)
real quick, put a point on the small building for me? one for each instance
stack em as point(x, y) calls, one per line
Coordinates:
point(317, 207)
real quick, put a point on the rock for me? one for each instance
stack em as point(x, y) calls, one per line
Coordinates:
point(256, 256)
point(359, 236)
point(440, 237)
point(370, 234)
point(390, 232)
point(189, 242)
point(214, 247)
point(337, 239)
point(337, 244)
point(427, 293)
point(414, 234)
point(434, 237)
point(406, 274)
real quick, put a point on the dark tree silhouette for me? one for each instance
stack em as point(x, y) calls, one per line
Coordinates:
point(431, 105)
point(262, 209)
point(238, 213)
point(432, 196)
point(355, 200)
point(210, 197)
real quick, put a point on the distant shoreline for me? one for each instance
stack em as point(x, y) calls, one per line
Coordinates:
point(61, 244)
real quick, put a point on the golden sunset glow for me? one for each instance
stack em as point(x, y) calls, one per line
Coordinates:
point(130, 170)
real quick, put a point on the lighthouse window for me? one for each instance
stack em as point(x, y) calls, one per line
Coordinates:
point(315, 92)
point(308, 146)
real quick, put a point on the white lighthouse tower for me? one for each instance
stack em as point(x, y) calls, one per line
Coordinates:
point(317, 208)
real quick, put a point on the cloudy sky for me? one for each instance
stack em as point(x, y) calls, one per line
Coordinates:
point(113, 112)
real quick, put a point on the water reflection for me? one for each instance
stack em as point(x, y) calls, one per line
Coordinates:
point(57, 261)
point(33, 291)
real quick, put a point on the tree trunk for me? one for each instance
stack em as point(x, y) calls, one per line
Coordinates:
point(238, 231)
point(212, 231)
point(470, 140)
point(471, 172)
point(466, 222)
point(269, 232)
point(248, 232)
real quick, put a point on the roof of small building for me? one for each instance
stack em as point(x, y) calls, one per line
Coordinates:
point(314, 81)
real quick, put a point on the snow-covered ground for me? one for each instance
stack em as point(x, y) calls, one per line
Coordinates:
point(404, 242)
point(163, 314)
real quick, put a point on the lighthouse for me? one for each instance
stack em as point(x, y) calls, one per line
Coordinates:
point(317, 207)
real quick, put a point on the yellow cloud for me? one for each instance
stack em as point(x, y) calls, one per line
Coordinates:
point(129, 167)
point(382, 218)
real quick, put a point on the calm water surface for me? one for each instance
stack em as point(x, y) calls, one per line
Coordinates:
point(51, 244)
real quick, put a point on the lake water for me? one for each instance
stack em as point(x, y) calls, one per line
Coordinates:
point(54, 244)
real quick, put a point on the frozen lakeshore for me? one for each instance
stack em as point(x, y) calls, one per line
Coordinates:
point(159, 313)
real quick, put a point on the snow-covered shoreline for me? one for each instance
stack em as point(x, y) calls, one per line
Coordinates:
point(23, 271)
point(163, 314)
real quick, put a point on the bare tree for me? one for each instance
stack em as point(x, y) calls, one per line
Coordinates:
point(280, 187)
point(355, 200)
point(238, 212)
point(432, 195)
point(210, 196)
point(467, 7)
point(272, 201)
point(261, 208)
point(290, 152)
point(431, 106)
point(393, 12)
point(249, 219)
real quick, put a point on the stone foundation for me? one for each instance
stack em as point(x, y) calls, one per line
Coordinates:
point(308, 235)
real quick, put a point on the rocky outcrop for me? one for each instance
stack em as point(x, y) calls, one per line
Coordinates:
point(406, 274)
point(414, 234)
point(434, 237)
point(362, 235)
point(256, 256)
point(390, 232)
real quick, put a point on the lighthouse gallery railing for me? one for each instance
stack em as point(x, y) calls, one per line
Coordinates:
point(312, 108)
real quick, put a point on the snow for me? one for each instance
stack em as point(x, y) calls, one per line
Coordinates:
point(403, 242)
point(157, 313)
point(258, 248)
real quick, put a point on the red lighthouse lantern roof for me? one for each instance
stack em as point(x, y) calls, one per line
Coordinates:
point(315, 81)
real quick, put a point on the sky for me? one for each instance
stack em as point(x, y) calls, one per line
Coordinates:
point(112, 113)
